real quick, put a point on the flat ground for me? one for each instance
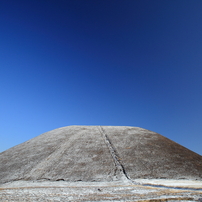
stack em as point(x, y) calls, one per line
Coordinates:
point(22, 191)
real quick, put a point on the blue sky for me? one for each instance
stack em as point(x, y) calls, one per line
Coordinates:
point(103, 62)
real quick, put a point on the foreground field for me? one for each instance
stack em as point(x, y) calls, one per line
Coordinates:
point(22, 191)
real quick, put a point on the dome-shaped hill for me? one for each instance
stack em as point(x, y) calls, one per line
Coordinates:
point(99, 153)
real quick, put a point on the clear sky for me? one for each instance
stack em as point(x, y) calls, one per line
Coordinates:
point(101, 62)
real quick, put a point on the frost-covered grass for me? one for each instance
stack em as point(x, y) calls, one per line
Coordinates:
point(96, 191)
point(196, 184)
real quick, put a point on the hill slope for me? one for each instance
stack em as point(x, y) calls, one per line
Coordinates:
point(99, 153)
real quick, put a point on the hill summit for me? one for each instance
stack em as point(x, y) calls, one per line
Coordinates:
point(99, 153)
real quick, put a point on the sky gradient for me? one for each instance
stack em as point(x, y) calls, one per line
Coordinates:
point(103, 62)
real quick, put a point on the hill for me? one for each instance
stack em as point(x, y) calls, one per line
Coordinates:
point(99, 153)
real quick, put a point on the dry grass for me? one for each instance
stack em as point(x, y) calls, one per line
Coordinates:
point(95, 193)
